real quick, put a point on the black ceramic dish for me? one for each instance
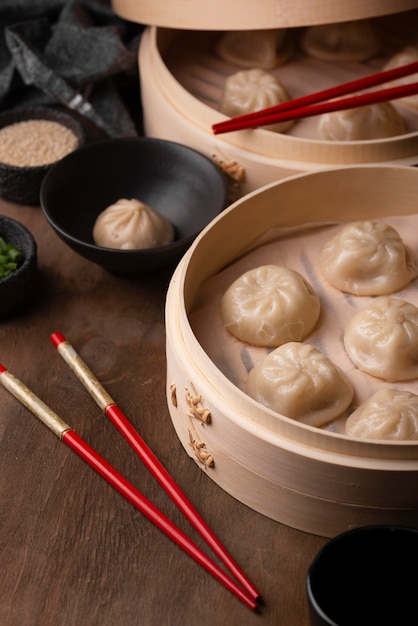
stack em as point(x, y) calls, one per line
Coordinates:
point(23, 184)
point(176, 181)
point(16, 289)
point(364, 577)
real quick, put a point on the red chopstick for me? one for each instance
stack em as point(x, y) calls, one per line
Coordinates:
point(118, 481)
point(300, 107)
point(115, 414)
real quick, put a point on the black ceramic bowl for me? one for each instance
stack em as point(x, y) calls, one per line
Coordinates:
point(364, 577)
point(176, 181)
point(23, 184)
point(16, 289)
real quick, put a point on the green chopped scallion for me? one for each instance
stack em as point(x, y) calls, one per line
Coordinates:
point(10, 258)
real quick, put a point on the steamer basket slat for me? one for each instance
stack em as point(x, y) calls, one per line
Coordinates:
point(308, 478)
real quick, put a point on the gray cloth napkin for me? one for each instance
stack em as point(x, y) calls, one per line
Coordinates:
point(76, 54)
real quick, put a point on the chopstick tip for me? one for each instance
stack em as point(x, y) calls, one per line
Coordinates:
point(2, 369)
point(57, 338)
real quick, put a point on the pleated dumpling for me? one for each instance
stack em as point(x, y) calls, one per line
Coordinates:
point(253, 90)
point(270, 305)
point(265, 49)
point(367, 259)
point(382, 339)
point(300, 382)
point(407, 55)
point(374, 121)
point(389, 414)
point(131, 225)
point(345, 41)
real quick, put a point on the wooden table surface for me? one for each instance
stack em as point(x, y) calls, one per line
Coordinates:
point(73, 551)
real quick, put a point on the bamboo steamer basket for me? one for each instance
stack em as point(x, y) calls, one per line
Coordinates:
point(312, 479)
point(182, 82)
point(247, 15)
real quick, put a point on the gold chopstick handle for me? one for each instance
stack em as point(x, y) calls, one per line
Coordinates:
point(80, 369)
point(33, 403)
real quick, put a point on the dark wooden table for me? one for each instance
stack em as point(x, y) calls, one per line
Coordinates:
point(73, 552)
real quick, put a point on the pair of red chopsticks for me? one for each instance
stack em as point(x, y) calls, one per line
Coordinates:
point(245, 590)
point(307, 106)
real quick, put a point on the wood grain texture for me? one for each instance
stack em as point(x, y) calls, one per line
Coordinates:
point(72, 550)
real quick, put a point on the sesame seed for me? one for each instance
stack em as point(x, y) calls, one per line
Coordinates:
point(35, 143)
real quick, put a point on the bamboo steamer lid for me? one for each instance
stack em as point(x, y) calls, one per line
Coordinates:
point(313, 479)
point(248, 15)
point(179, 91)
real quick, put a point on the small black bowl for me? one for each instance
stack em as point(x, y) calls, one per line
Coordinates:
point(16, 289)
point(23, 184)
point(365, 576)
point(176, 181)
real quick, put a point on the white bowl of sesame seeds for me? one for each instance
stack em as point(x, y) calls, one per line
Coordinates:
point(31, 141)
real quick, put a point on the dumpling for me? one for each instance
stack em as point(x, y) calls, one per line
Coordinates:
point(253, 90)
point(404, 57)
point(270, 305)
point(367, 259)
point(389, 414)
point(382, 339)
point(374, 121)
point(299, 381)
point(266, 49)
point(345, 41)
point(131, 225)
